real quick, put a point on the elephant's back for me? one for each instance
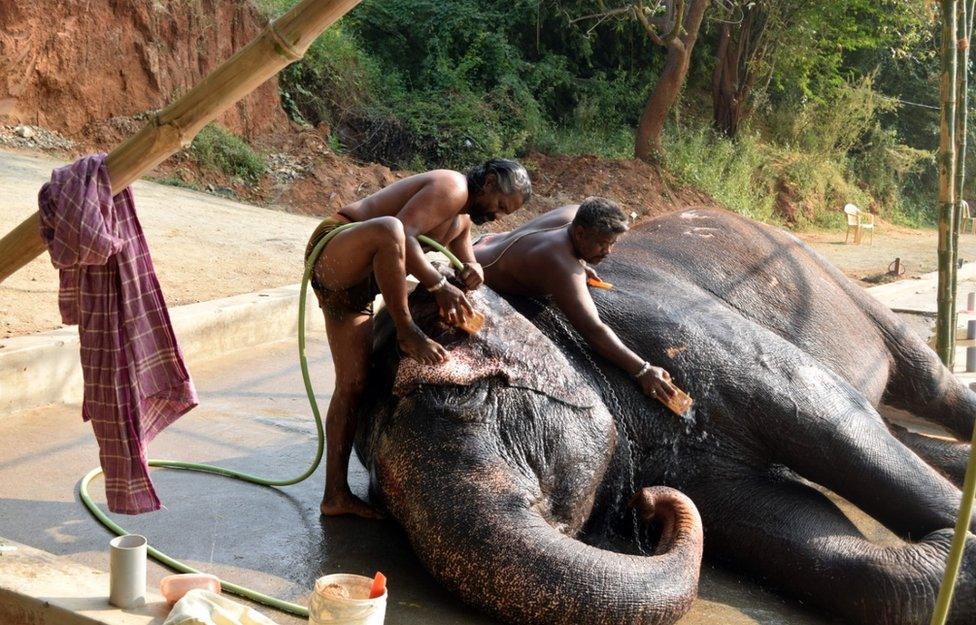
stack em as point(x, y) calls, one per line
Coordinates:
point(769, 277)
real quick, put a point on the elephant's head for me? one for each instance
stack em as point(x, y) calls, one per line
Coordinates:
point(492, 463)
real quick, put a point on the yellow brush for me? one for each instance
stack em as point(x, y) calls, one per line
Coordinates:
point(600, 284)
point(679, 404)
point(471, 324)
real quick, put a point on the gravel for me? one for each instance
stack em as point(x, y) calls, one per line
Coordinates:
point(27, 137)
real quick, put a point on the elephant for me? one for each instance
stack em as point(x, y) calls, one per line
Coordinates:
point(535, 481)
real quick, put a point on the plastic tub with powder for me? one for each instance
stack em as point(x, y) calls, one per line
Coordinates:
point(342, 599)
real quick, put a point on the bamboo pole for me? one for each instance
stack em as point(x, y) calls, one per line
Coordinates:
point(282, 42)
point(947, 155)
point(961, 531)
point(961, 129)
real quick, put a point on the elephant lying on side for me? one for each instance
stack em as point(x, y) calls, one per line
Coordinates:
point(512, 467)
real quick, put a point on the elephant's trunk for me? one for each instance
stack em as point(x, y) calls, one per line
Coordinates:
point(483, 534)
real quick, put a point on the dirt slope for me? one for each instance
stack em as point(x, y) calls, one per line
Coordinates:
point(71, 65)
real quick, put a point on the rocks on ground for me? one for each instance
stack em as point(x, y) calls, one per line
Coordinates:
point(26, 137)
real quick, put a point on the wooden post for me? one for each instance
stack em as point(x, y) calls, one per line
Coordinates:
point(947, 154)
point(284, 41)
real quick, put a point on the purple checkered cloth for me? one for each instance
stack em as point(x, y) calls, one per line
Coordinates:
point(135, 380)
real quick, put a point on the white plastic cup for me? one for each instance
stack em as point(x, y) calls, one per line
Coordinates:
point(971, 329)
point(971, 302)
point(357, 609)
point(127, 571)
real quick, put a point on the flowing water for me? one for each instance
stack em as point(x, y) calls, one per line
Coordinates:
point(612, 401)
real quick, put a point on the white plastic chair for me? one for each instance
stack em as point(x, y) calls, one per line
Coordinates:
point(858, 221)
point(966, 215)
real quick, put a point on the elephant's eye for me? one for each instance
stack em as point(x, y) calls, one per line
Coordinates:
point(463, 403)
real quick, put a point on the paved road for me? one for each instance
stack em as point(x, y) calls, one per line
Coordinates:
point(254, 416)
point(204, 247)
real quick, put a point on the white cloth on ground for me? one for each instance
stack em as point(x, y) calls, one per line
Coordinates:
point(202, 607)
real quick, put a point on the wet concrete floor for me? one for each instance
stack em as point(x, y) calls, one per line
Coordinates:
point(254, 416)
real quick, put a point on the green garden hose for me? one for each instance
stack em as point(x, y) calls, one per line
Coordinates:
point(159, 556)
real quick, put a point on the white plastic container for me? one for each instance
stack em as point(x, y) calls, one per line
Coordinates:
point(329, 607)
point(127, 571)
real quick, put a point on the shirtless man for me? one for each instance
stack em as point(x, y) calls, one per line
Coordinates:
point(375, 256)
point(550, 256)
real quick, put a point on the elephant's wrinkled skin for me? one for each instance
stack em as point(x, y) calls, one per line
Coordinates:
point(501, 479)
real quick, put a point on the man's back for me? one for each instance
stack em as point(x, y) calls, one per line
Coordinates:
point(525, 260)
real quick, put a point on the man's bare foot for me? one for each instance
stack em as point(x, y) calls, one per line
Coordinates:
point(348, 504)
point(415, 344)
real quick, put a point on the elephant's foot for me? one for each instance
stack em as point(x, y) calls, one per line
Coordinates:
point(793, 537)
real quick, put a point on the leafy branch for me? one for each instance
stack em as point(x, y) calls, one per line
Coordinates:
point(662, 22)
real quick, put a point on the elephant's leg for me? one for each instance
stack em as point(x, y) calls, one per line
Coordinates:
point(835, 438)
point(792, 536)
point(949, 457)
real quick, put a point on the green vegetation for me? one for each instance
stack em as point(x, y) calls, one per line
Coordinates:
point(821, 118)
point(217, 148)
point(176, 181)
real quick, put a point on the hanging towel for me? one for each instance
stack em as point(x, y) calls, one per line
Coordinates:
point(135, 380)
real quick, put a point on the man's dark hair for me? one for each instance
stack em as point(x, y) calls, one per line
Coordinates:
point(511, 177)
point(601, 215)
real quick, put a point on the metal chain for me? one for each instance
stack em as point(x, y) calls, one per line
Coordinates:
point(616, 410)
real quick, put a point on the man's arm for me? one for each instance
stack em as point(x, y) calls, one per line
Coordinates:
point(573, 299)
point(472, 274)
point(437, 202)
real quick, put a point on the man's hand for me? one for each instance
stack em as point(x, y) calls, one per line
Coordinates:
point(656, 382)
point(472, 275)
point(590, 272)
point(454, 306)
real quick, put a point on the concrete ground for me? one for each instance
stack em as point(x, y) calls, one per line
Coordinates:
point(254, 416)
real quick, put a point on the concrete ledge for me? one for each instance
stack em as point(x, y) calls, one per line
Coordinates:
point(38, 588)
point(44, 368)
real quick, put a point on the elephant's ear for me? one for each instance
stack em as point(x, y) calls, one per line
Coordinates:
point(508, 346)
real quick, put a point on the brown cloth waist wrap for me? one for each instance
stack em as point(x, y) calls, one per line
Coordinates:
point(337, 303)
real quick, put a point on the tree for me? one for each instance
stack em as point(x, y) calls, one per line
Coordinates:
point(673, 25)
point(741, 40)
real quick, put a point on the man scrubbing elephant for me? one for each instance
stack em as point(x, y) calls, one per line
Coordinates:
point(553, 255)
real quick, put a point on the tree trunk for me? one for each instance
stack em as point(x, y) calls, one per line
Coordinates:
point(723, 93)
point(733, 78)
point(668, 87)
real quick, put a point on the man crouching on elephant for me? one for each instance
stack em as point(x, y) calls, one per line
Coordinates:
point(552, 256)
point(374, 257)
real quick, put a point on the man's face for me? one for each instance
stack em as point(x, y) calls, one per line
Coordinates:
point(592, 246)
point(490, 204)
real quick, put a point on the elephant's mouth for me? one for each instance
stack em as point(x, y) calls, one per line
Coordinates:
point(508, 347)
